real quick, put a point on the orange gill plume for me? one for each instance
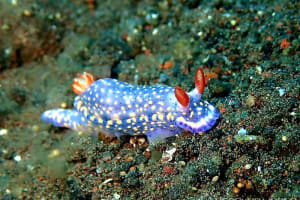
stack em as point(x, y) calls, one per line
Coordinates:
point(82, 82)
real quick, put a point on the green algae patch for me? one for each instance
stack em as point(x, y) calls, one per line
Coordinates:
point(249, 139)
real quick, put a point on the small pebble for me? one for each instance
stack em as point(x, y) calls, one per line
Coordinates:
point(17, 158)
point(166, 65)
point(168, 155)
point(242, 131)
point(105, 182)
point(3, 132)
point(260, 12)
point(58, 16)
point(7, 52)
point(5, 27)
point(248, 166)
point(236, 190)
point(14, 2)
point(30, 167)
point(98, 170)
point(215, 178)
point(54, 153)
point(35, 128)
point(141, 141)
point(281, 92)
point(200, 33)
point(132, 141)
point(248, 185)
point(117, 196)
point(250, 100)
point(63, 105)
point(259, 169)
point(27, 13)
point(155, 31)
point(258, 69)
point(181, 163)
point(293, 114)
point(128, 159)
point(240, 185)
point(284, 138)
point(131, 169)
point(233, 22)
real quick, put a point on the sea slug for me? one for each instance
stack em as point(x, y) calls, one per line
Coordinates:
point(117, 108)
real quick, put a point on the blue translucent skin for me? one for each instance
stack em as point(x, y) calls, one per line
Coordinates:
point(117, 108)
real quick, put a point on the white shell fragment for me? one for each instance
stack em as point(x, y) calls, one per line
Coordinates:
point(168, 155)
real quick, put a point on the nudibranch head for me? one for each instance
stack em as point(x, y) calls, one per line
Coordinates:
point(196, 115)
point(200, 117)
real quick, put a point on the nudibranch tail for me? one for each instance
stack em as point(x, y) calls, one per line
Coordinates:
point(82, 83)
point(66, 118)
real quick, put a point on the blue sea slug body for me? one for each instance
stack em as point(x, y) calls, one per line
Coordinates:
point(117, 108)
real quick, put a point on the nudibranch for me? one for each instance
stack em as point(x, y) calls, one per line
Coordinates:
point(117, 108)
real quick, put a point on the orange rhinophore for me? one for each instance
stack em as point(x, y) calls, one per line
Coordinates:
point(200, 80)
point(81, 83)
point(182, 97)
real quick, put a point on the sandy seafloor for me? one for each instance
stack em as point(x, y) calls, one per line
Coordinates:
point(249, 51)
